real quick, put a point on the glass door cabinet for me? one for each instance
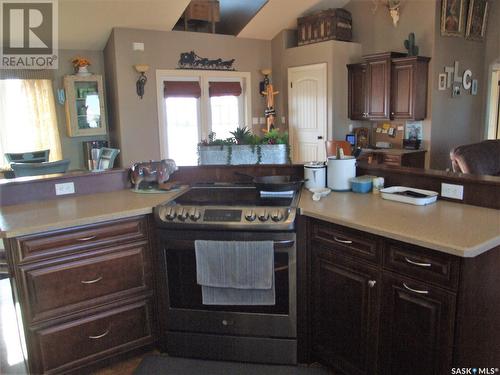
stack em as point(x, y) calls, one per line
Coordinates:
point(85, 115)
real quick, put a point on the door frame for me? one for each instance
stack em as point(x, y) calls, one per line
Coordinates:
point(492, 130)
point(324, 88)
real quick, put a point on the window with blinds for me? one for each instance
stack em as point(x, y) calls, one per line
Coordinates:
point(195, 104)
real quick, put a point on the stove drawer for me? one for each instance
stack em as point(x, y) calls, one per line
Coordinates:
point(231, 323)
point(82, 341)
point(59, 287)
point(68, 241)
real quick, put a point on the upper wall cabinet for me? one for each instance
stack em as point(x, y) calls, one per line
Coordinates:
point(388, 86)
point(85, 114)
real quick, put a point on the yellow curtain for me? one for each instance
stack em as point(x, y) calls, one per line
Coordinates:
point(28, 120)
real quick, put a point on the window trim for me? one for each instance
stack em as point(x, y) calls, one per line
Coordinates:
point(203, 77)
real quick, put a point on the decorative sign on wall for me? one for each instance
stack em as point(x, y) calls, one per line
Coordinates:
point(451, 78)
point(190, 60)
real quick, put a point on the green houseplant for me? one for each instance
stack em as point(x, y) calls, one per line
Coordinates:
point(244, 147)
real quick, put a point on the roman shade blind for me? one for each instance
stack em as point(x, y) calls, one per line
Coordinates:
point(224, 89)
point(182, 89)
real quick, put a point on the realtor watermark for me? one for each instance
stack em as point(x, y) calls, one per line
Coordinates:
point(28, 34)
point(475, 370)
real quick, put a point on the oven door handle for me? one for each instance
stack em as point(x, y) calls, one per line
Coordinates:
point(283, 244)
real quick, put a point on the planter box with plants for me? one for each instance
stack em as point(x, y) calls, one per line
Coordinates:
point(245, 148)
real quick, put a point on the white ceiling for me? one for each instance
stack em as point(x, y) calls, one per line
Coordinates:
point(87, 24)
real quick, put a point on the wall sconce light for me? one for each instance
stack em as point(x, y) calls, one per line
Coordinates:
point(141, 81)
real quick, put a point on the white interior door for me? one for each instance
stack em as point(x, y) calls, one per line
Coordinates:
point(307, 112)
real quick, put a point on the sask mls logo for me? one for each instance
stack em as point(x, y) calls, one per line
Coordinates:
point(28, 34)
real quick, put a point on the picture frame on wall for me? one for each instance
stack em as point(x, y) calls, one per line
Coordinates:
point(453, 17)
point(476, 20)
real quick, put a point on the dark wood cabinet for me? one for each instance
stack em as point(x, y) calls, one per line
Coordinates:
point(388, 86)
point(85, 293)
point(409, 88)
point(345, 302)
point(416, 334)
point(381, 306)
point(357, 91)
point(378, 87)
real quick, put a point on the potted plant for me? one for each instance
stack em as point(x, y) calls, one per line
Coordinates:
point(245, 148)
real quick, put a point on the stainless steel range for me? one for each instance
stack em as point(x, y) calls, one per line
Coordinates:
point(229, 207)
point(224, 212)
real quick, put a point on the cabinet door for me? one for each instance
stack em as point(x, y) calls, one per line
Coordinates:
point(402, 91)
point(345, 313)
point(357, 91)
point(378, 84)
point(85, 115)
point(417, 325)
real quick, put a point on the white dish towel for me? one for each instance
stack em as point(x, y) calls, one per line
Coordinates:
point(235, 272)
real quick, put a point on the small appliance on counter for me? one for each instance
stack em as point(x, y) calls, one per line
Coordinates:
point(340, 171)
point(315, 175)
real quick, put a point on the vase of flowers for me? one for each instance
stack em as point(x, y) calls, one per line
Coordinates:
point(81, 64)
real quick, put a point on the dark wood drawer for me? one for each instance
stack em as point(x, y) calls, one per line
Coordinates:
point(392, 159)
point(423, 264)
point(347, 241)
point(82, 341)
point(66, 241)
point(57, 287)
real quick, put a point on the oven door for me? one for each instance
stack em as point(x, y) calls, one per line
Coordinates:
point(181, 295)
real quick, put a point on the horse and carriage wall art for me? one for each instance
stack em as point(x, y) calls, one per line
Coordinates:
point(190, 60)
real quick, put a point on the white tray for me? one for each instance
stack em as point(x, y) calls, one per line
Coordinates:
point(389, 193)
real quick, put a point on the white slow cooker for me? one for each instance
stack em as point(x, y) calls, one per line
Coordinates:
point(340, 171)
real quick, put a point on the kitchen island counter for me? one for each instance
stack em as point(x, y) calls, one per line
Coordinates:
point(453, 228)
point(64, 212)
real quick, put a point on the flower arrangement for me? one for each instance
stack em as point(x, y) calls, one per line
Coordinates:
point(79, 62)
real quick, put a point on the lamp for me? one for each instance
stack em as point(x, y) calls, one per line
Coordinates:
point(141, 81)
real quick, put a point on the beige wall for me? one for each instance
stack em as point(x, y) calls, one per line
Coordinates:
point(457, 120)
point(376, 33)
point(336, 55)
point(72, 147)
point(136, 119)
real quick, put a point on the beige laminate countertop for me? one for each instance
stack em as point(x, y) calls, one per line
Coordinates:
point(64, 212)
point(453, 228)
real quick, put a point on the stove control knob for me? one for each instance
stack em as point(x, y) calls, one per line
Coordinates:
point(194, 214)
point(250, 215)
point(182, 215)
point(263, 216)
point(276, 215)
point(170, 213)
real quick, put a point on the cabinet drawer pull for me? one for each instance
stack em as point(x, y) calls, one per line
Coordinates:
point(415, 290)
point(418, 263)
point(86, 238)
point(99, 336)
point(227, 322)
point(92, 281)
point(371, 283)
point(342, 241)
